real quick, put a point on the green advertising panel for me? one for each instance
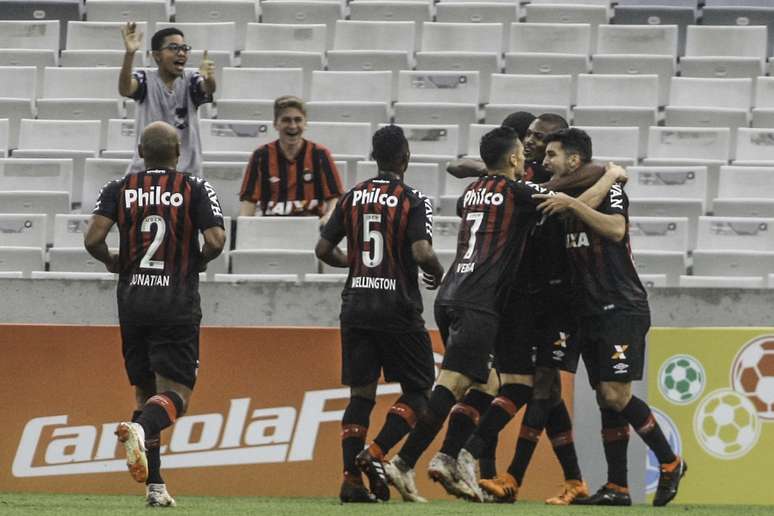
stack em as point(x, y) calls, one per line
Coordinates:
point(712, 390)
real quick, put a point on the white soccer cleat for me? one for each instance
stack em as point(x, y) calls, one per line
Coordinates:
point(156, 495)
point(443, 469)
point(132, 436)
point(466, 468)
point(403, 478)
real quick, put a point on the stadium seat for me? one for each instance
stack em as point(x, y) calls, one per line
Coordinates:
point(291, 36)
point(429, 142)
point(435, 115)
point(307, 61)
point(453, 189)
point(23, 230)
point(301, 12)
point(658, 13)
point(669, 263)
point(431, 86)
point(42, 11)
point(744, 282)
point(121, 139)
point(24, 259)
point(106, 35)
point(4, 137)
point(366, 97)
point(668, 182)
point(395, 36)
point(249, 93)
point(745, 191)
point(51, 175)
point(538, 63)
point(328, 277)
point(423, 177)
point(40, 59)
point(484, 64)
point(258, 278)
point(267, 233)
point(74, 276)
point(97, 172)
point(732, 263)
point(663, 66)
point(653, 280)
point(70, 228)
point(669, 207)
point(754, 147)
point(74, 260)
point(594, 15)
point(476, 131)
point(150, 11)
point(551, 38)
point(445, 230)
point(30, 34)
point(735, 233)
point(18, 89)
point(505, 13)
point(241, 12)
point(637, 40)
point(659, 233)
point(746, 13)
point(233, 140)
point(348, 111)
point(617, 144)
point(763, 112)
point(370, 10)
point(48, 203)
point(346, 141)
point(226, 177)
point(533, 93)
point(718, 41)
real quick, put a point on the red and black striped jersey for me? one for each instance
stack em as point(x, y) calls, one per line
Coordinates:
point(381, 218)
point(498, 215)
point(291, 187)
point(603, 273)
point(159, 215)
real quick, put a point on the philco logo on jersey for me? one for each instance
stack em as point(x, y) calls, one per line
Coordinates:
point(51, 447)
point(373, 197)
point(482, 196)
point(575, 240)
point(152, 197)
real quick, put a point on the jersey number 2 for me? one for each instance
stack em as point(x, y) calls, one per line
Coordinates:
point(373, 257)
point(161, 229)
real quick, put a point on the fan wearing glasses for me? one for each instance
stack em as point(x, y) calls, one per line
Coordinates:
point(170, 93)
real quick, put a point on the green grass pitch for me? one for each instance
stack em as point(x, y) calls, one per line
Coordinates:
point(84, 505)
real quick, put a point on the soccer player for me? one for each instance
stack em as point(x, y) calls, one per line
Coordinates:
point(170, 93)
point(614, 321)
point(159, 212)
point(388, 226)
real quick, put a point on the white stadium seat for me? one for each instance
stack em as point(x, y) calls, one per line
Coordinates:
point(732, 263)
point(745, 191)
point(241, 12)
point(435, 115)
point(763, 112)
point(273, 262)
point(266, 233)
point(370, 10)
point(18, 90)
point(663, 66)
point(658, 12)
point(432, 142)
point(476, 131)
point(637, 39)
point(552, 38)
point(307, 61)
point(97, 172)
point(594, 15)
point(375, 35)
point(505, 13)
point(314, 12)
point(23, 230)
point(423, 177)
point(352, 86)
point(346, 141)
point(751, 282)
point(24, 259)
point(36, 174)
point(618, 144)
point(226, 177)
point(92, 35)
point(458, 87)
point(294, 37)
point(4, 137)
point(258, 278)
point(735, 233)
point(249, 93)
point(653, 280)
point(445, 231)
point(70, 228)
point(30, 34)
point(755, 147)
point(542, 63)
point(121, 139)
point(668, 182)
point(659, 233)
point(74, 260)
point(234, 140)
point(669, 263)
point(151, 11)
point(691, 209)
point(534, 93)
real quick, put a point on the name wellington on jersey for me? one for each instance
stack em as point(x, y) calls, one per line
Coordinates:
point(375, 283)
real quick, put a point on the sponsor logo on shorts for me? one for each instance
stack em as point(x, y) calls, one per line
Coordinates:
point(562, 340)
point(621, 368)
point(558, 355)
point(620, 352)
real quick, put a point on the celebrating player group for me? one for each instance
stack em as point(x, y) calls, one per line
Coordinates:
point(540, 279)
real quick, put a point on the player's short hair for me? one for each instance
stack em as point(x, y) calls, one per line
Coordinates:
point(519, 122)
point(574, 141)
point(555, 120)
point(158, 38)
point(288, 101)
point(389, 146)
point(496, 144)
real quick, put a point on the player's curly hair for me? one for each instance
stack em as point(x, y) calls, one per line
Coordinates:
point(158, 38)
point(496, 144)
point(574, 141)
point(519, 121)
point(389, 146)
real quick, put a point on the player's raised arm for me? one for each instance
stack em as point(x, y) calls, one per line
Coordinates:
point(127, 85)
point(466, 167)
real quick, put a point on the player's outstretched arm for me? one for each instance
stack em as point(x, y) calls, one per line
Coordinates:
point(610, 226)
point(595, 195)
point(327, 251)
point(94, 241)
point(466, 167)
point(427, 260)
point(214, 242)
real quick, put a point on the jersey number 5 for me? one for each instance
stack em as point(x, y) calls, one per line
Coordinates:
point(477, 218)
point(372, 257)
point(161, 229)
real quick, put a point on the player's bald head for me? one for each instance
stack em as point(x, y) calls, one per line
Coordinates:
point(159, 144)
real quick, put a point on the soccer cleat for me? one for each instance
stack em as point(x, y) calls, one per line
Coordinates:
point(443, 469)
point(133, 438)
point(573, 490)
point(608, 494)
point(466, 469)
point(503, 488)
point(403, 478)
point(668, 481)
point(353, 491)
point(373, 467)
point(156, 495)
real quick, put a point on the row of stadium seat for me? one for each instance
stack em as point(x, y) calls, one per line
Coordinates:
point(156, 12)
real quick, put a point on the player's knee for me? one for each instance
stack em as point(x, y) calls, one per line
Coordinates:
point(364, 391)
point(613, 396)
point(456, 383)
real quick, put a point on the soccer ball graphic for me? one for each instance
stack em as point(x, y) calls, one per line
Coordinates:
point(681, 379)
point(753, 374)
point(726, 424)
point(672, 434)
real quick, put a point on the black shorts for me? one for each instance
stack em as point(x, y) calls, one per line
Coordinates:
point(406, 358)
point(516, 337)
point(170, 351)
point(469, 337)
point(613, 346)
point(556, 333)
